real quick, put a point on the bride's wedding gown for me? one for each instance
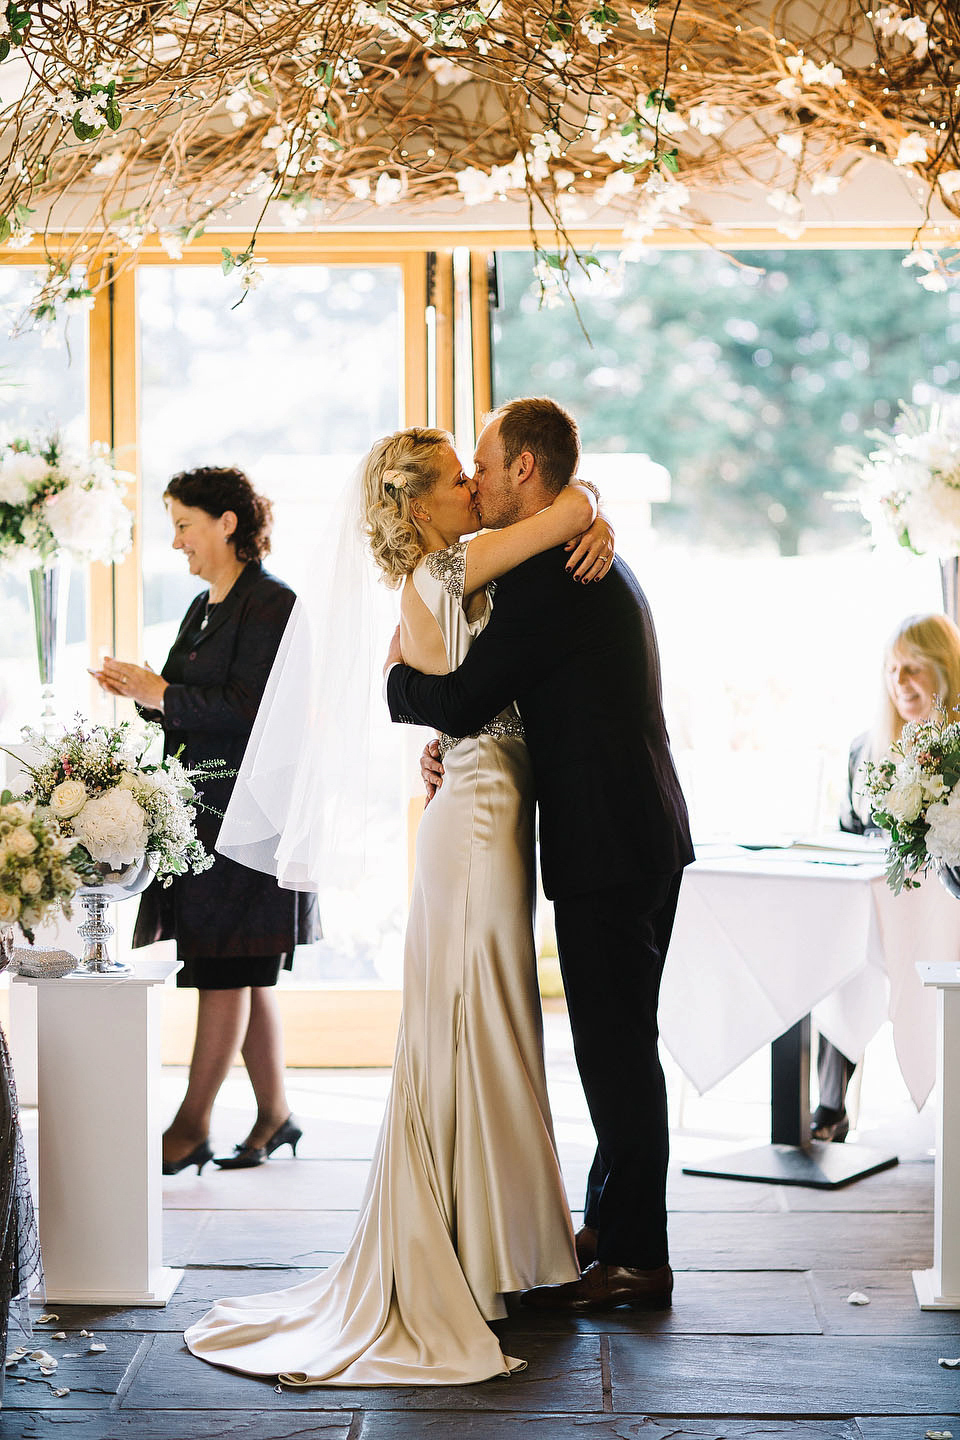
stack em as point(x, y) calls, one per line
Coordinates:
point(464, 1201)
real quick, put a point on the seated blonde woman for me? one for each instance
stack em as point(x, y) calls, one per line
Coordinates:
point(921, 670)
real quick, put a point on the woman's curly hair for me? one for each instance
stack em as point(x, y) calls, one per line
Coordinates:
point(216, 488)
point(398, 470)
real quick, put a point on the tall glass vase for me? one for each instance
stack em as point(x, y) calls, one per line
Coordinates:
point(48, 595)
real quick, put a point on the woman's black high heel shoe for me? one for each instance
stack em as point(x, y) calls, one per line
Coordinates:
point(198, 1156)
point(246, 1156)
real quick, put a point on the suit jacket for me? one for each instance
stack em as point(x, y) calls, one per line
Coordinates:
point(850, 820)
point(217, 677)
point(581, 661)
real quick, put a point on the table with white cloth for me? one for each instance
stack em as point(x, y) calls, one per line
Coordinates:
point(765, 938)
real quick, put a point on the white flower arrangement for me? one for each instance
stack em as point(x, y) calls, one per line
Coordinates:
point(915, 798)
point(55, 500)
point(100, 786)
point(41, 869)
point(912, 480)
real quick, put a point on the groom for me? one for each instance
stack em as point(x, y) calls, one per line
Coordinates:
point(581, 662)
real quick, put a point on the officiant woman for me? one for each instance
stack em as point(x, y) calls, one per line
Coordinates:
point(235, 928)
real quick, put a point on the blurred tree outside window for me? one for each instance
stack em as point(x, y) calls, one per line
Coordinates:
point(747, 378)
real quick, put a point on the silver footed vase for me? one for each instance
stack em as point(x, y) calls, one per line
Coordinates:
point(49, 586)
point(96, 930)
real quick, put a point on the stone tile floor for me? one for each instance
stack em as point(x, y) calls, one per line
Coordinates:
point(761, 1340)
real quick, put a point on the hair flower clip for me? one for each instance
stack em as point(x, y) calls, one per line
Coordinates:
point(394, 480)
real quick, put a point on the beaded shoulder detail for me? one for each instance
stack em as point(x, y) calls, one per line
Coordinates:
point(449, 567)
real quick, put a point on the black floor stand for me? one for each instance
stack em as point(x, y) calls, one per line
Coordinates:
point(792, 1158)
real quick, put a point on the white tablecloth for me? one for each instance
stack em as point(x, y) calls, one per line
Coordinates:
point(761, 940)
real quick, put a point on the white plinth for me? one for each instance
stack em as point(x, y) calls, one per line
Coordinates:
point(939, 1288)
point(99, 1190)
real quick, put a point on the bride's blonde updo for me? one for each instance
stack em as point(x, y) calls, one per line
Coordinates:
point(399, 469)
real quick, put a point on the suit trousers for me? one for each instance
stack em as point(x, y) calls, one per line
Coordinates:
point(612, 944)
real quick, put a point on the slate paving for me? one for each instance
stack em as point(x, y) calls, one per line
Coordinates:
point(762, 1342)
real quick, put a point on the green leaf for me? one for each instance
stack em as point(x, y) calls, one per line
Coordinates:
point(6, 228)
point(660, 99)
point(671, 159)
point(4, 49)
point(23, 213)
point(6, 797)
point(586, 260)
point(113, 116)
point(85, 132)
point(227, 263)
point(180, 8)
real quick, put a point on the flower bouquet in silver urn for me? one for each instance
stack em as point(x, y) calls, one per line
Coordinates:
point(130, 815)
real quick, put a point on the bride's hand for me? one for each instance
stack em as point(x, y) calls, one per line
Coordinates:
point(592, 551)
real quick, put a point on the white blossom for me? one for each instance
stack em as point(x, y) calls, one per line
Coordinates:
point(250, 272)
point(914, 30)
point(389, 189)
point(829, 75)
point(108, 164)
point(274, 137)
point(789, 88)
point(934, 280)
point(359, 187)
point(446, 71)
point(912, 150)
point(172, 244)
point(949, 181)
point(920, 257)
point(557, 55)
point(791, 143)
point(826, 184)
point(593, 31)
point(708, 119)
point(889, 19)
point(621, 182)
point(783, 201)
point(645, 19)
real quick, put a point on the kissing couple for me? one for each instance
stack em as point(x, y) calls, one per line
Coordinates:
point(531, 650)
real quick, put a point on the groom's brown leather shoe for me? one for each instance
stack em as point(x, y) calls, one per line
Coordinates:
point(604, 1287)
point(586, 1242)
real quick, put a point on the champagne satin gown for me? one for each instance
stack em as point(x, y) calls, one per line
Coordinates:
point(464, 1201)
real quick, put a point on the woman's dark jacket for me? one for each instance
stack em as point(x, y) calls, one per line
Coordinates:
point(217, 677)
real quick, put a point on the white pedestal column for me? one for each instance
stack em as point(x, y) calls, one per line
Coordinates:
point(99, 1201)
point(939, 1288)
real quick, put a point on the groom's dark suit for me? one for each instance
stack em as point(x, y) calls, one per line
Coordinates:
point(581, 662)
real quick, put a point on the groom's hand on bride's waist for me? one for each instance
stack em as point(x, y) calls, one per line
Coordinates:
point(431, 769)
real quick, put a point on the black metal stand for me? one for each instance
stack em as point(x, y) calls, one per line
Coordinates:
point(792, 1158)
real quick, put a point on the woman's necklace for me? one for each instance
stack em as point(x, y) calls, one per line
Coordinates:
point(208, 605)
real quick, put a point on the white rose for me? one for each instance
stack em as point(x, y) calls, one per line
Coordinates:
point(9, 908)
point(904, 800)
point(113, 828)
point(21, 841)
point(20, 473)
point(68, 799)
point(943, 834)
point(31, 882)
point(92, 523)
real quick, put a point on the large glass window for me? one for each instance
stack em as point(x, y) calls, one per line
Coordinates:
point(43, 388)
point(747, 379)
point(292, 386)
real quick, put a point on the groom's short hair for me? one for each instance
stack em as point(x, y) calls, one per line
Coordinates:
point(538, 424)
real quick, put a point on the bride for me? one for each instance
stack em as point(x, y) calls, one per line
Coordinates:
point(464, 1202)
